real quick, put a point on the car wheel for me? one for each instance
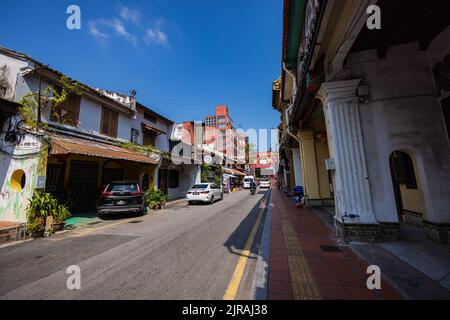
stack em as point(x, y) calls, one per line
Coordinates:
point(190, 203)
point(212, 200)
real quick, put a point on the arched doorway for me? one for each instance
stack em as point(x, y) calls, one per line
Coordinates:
point(408, 192)
point(112, 171)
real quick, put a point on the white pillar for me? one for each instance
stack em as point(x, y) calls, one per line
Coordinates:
point(297, 167)
point(352, 191)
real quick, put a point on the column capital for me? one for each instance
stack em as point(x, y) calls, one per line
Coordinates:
point(344, 90)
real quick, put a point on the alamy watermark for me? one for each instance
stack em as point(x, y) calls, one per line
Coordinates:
point(73, 21)
point(374, 280)
point(73, 282)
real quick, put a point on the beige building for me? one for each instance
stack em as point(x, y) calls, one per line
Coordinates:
point(365, 112)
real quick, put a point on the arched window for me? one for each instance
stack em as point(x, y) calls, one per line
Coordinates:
point(404, 169)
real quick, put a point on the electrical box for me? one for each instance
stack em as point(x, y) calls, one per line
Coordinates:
point(330, 164)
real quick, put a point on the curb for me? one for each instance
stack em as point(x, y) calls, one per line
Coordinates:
point(261, 278)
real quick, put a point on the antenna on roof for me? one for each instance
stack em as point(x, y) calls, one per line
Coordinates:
point(133, 93)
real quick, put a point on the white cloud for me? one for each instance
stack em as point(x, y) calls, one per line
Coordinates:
point(155, 36)
point(120, 30)
point(127, 26)
point(95, 32)
point(129, 15)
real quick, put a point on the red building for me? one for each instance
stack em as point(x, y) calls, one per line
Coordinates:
point(218, 133)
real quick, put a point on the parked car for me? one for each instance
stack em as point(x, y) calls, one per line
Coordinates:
point(122, 196)
point(204, 192)
point(264, 183)
point(247, 180)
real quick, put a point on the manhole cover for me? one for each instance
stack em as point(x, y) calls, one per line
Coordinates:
point(135, 221)
point(330, 248)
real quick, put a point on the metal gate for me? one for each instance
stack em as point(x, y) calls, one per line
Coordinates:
point(83, 185)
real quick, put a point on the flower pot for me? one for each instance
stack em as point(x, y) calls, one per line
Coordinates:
point(42, 221)
point(58, 226)
point(38, 234)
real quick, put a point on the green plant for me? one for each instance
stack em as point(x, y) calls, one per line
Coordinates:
point(61, 213)
point(218, 175)
point(205, 170)
point(34, 226)
point(41, 205)
point(29, 103)
point(155, 198)
point(139, 148)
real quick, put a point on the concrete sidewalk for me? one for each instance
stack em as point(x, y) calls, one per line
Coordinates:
point(308, 262)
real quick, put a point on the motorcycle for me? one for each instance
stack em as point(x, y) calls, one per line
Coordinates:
point(252, 190)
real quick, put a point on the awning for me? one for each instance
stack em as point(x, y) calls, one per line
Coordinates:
point(65, 145)
point(227, 176)
point(233, 172)
point(152, 128)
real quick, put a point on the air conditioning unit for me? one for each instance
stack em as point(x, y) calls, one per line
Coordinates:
point(330, 164)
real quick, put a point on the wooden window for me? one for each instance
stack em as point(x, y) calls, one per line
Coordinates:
point(68, 111)
point(109, 122)
point(149, 138)
point(404, 170)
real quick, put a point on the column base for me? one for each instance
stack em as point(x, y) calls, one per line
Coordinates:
point(439, 232)
point(368, 232)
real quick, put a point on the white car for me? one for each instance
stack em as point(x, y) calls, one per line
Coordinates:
point(247, 181)
point(264, 183)
point(204, 192)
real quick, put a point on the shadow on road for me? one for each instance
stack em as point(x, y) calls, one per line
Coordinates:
point(237, 240)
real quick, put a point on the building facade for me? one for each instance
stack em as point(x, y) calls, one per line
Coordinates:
point(81, 145)
point(365, 113)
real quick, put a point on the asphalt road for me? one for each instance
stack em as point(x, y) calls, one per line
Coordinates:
point(183, 252)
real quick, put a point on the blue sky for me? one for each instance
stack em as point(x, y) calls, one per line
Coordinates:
point(182, 56)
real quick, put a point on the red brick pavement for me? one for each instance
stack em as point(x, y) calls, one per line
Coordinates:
point(337, 275)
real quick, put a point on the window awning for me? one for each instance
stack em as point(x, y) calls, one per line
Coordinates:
point(233, 172)
point(152, 128)
point(65, 145)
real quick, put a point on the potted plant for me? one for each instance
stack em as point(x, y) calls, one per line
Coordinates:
point(155, 199)
point(60, 215)
point(35, 228)
point(40, 207)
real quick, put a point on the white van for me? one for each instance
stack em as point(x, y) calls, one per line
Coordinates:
point(247, 180)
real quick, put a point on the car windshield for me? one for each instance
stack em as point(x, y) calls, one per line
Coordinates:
point(248, 179)
point(200, 186)
point(122, 187)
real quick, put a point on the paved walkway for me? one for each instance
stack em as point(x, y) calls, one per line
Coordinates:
point(303, 264)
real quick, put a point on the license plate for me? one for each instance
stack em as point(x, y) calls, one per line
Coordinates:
point(196, 193)
point(121, 203)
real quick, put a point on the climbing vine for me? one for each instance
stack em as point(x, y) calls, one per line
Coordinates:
point(49, 97)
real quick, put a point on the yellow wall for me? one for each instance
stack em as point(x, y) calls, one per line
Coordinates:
point(322, 154)
point(412, 199)
point(309, 164)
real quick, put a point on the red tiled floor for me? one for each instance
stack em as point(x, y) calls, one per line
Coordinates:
point(333, 292)
point(278, 296)
point(283, 287)
point(279, 275)
point(320, 268)
point(338, 275)
point(351, 281)
point(326, 279)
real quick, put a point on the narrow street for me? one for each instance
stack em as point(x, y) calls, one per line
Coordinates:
point(182, 252)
